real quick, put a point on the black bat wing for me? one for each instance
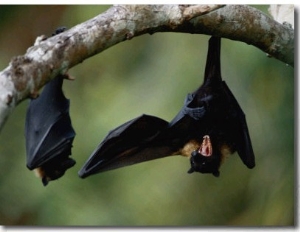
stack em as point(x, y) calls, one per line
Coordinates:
point(49, 132)
point(120, 147)
point(240, 129)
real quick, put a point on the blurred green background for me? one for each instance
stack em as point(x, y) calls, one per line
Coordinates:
point(150, 74)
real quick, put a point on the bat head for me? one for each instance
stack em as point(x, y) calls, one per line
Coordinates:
point(54, 169)
point(203, 160)
point(204, 164)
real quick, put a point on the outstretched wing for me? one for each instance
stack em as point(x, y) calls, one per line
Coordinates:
point(120, 147)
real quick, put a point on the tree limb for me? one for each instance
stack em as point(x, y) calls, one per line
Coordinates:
point(26, 74)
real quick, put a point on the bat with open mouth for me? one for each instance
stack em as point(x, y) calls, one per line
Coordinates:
point(210, 126)
point(49, 133)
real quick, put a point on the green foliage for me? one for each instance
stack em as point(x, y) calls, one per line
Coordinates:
point(152, 75)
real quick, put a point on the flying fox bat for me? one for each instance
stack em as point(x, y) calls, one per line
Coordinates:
point(210, 126)
point(49, 133)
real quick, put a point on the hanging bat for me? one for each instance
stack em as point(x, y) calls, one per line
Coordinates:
point(49, 133)
point(210, 126)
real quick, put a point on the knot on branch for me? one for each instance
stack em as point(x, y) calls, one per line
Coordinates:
point(20, 65)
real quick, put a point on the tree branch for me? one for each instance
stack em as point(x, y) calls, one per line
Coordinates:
point(26, 74)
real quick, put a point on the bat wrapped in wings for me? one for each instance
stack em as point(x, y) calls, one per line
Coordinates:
point(49, 133)
point(210, 126)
